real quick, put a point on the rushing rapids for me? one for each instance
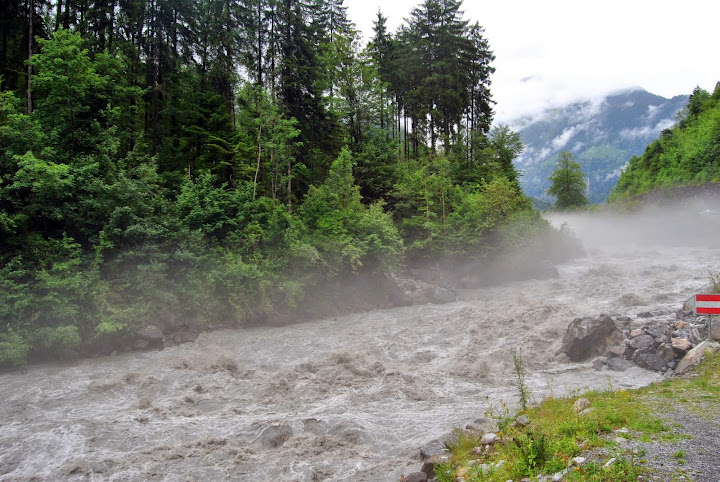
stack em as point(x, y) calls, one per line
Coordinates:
point(346, 398)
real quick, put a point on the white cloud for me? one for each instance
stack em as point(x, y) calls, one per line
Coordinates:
point(561, 141)
point(555, 52)
point(652, 111)
point(648, 131)
point(530, 157)
point(615, 174)
point(636, 133)
point(664, 124)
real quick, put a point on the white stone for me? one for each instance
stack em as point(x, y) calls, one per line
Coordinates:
point(695, 356)
point(609, 463)
point(581, 404)
point(579, 460)
point(488, 439)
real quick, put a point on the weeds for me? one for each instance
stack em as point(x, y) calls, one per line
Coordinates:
point(556, 434)
point(520, 377)
point(533, 450)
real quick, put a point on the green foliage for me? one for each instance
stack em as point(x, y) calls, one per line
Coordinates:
point(533, 450)
point(348, 234)
point(686, 154)
point(508, 146)
point(520, 379)
point(58, 342)
point(13, 349)
point(568, 183)
point(142, 181)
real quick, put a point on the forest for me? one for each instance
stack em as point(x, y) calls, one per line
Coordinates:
point(205, 163)
point(686, 154)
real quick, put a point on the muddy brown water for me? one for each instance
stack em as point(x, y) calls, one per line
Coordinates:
point(346, 398)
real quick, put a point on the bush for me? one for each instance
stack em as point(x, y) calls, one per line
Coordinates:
point(533, 451)
point(13, 350)
point(61, 342)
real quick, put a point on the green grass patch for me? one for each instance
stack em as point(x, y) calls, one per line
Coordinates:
point(557, 434)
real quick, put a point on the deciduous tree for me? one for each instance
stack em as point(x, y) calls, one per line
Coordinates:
point(568, 183)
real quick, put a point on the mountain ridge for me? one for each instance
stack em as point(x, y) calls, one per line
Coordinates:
point(602, 133)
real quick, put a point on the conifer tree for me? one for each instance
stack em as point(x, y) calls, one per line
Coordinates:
point(568, 183)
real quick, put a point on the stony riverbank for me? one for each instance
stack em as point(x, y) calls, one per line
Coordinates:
point(673, 343)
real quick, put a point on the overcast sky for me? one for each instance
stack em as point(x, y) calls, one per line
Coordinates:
point(550, 52)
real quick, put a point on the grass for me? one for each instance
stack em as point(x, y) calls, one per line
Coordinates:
point(680, 457)
point(557, 434)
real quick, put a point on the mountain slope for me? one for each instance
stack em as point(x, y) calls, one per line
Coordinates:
point(602, 135)
point(686, 155)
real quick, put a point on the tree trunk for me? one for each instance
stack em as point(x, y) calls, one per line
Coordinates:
point(259, 44)
point(58, 14)
point(28, 93)
point(289, 187)
point(257, 168)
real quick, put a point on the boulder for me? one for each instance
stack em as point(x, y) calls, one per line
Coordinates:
point(665, 352)
point(586, 337)
point(435, 448)
point(642, 341)
point(681, 345)
point(416, 477)
point(599, 363)
point(483, 425)
point(648, 358)
point(488, 439)
point(695, 356)
point(428, 466)
point(522, 421)
point(398, 297)
point(149, 337)
point(580, 405)
point(614, 351)
point(183, 335)
point(618, 364)
point(442, 296)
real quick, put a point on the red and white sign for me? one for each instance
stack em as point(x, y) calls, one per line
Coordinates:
point(704, 304)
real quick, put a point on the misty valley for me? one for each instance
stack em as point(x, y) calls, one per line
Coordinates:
point(240, 241)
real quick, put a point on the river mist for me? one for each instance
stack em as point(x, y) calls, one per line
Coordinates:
point(349, 397)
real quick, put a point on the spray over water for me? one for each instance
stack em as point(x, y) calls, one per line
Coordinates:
point(352, 397)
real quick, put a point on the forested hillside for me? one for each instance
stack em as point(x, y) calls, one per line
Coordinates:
point(687, 154)
point(202, 162)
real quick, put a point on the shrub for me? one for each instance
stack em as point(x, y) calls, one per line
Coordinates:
point(13, 350)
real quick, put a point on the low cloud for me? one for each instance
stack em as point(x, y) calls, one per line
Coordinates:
point(561, 141)
point(616, 173)
point(647, 131)
point(652, 111)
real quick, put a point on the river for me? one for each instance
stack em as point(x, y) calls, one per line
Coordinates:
point(351, 397)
